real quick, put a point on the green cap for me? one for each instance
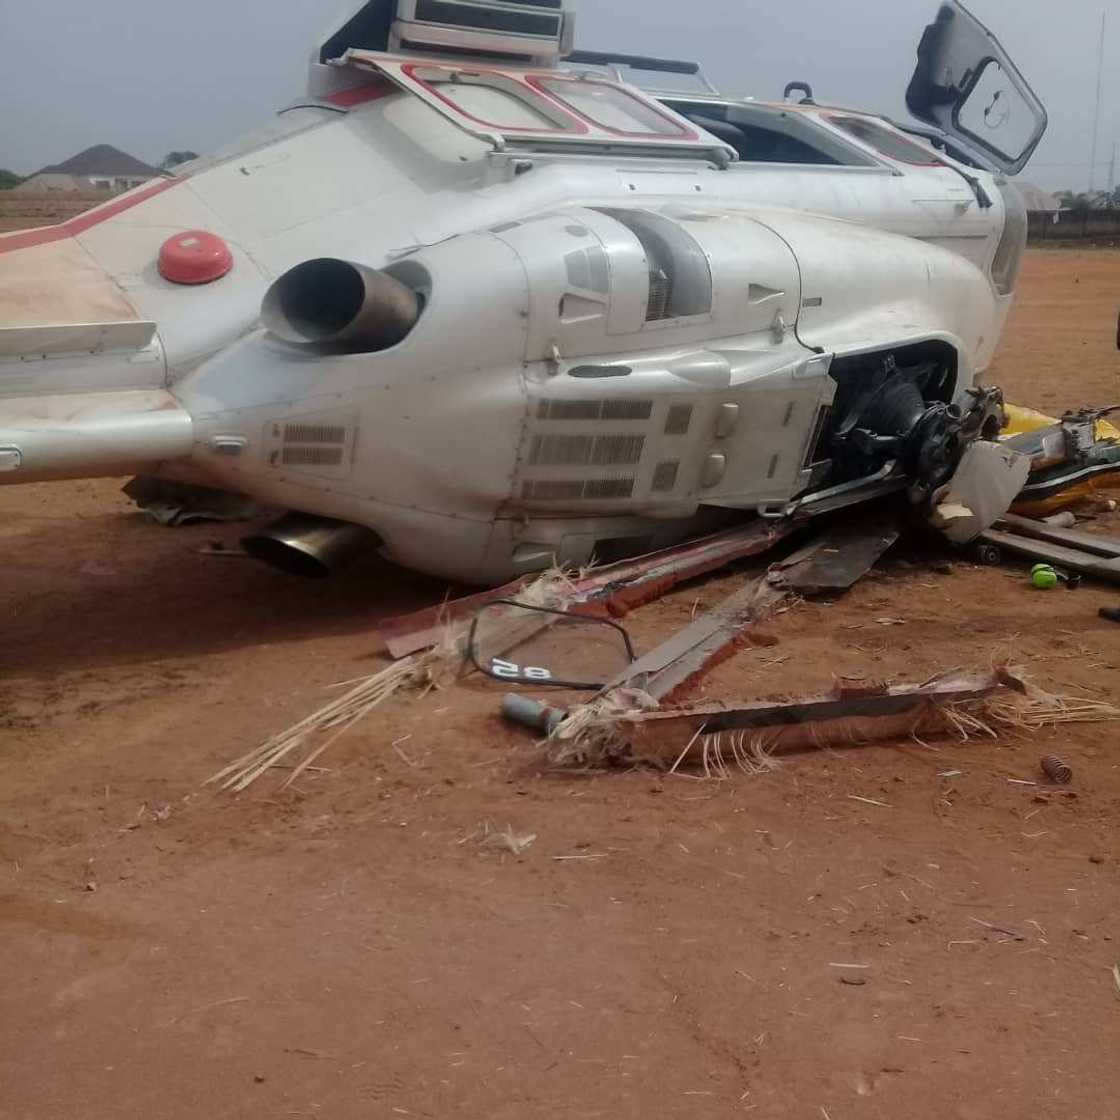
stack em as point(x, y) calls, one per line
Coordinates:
point(1044, 577)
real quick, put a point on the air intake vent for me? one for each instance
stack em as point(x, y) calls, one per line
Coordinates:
point(614, 450)
point(567, 451)
point(582, 451)
point(311, 456)
point(594, 410)
point(659, 288)
point(627, 410)
point(574, 490)
point(321, 443)
point(314, 433)
point(608, 488)
point(680, 278)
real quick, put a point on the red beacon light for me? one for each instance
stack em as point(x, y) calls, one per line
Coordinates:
point(194, 257)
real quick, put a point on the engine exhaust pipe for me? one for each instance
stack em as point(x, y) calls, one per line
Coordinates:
point(313, 547)
point(327, 300)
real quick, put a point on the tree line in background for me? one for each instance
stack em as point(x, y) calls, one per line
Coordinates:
point(1083, 203)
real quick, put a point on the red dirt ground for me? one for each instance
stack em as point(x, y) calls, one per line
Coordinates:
point(667, 947)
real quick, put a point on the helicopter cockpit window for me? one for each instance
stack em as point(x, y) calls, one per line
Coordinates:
point(609, 106)
point(768, 134)
point(882, 139)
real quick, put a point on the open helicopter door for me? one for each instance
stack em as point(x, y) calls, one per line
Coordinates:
point(966, 87)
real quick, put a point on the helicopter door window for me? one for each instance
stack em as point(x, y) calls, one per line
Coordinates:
point(966, 87)
point(996, 114)
point(610, 107)
point(494, 100)
point(495, 107)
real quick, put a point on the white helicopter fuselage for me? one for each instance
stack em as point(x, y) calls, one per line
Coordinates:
point(620, 332)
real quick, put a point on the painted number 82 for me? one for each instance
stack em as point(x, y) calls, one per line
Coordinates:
point(509, 671)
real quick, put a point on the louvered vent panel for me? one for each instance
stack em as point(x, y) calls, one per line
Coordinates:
point(298, 455)
point(572, 490)
point(581, 451)
point(627, 410)
point(561, 451)
point(320, 443)
point(594, 410)
point(314, 433)
point(608, 488)
point(613, 451)
point(660, 286)
point(569, 410)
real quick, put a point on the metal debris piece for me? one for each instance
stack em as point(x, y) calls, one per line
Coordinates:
point(1056, 770)
point(700, 645)
point(758, 729)
point(983, 488)
point(180, 503)
point(1067, 456)
point(621, 586)
point(832, 562)
point(1098, 544)
point(1074, 550)
point(531, 713)
point(838, 559)
point(521, 643)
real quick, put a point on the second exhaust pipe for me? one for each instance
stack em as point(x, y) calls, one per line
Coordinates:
point(313, 547)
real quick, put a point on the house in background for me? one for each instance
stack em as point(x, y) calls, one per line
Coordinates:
point(1038, 201)
point(100, 168)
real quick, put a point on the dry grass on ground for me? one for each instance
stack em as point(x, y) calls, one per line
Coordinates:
point(25, 209)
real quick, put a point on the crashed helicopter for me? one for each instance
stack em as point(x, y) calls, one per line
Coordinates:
point(484, 302)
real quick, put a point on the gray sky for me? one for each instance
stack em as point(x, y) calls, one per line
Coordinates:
point(151, 75)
